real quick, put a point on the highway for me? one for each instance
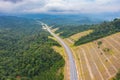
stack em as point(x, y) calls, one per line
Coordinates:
point(73, 71)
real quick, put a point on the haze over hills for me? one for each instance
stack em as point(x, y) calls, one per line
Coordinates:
point(80, 18)
point(59, 39)
point(71, 18)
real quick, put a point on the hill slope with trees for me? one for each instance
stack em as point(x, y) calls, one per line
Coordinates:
point(26, 51)
point(101, 30)
point(69, 30)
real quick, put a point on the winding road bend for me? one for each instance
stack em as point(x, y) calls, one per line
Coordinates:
point(73, 71)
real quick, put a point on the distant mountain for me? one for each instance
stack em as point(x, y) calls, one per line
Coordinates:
point(65, 19)
point(74, 18)
point(71, 18)
point(53, 19)
point(15, 22)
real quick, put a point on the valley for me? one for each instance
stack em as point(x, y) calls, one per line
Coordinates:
point(60, 52)
point(59, 39)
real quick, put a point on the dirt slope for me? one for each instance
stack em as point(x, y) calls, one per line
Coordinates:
point(97, 62)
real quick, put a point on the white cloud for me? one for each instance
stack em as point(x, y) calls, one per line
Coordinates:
point(59, 6)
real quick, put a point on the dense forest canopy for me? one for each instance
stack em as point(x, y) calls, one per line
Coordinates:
point(26, 51)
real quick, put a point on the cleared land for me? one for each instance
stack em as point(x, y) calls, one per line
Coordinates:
point(96, 62)
point(77, 36)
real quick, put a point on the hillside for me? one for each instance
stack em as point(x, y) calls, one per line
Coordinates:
point(99, 59)
point(101, 30)
point(26, 52)
point(69, 30)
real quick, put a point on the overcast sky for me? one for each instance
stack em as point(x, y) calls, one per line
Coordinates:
point(59, 6)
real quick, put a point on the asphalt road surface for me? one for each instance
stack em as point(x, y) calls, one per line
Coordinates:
point(73, 71)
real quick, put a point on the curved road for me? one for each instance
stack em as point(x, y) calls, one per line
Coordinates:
point(73, 71)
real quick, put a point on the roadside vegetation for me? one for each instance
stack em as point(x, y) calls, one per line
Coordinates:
point(26, 52)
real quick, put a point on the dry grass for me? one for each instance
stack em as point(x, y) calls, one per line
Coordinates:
point(60, 50)
point(52, 38)
point(77, 36)
point(94, 63)
point(55, 29)
point(70, 41)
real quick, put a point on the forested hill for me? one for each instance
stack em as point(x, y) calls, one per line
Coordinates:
point(101, 30)
point(26, 51)
point(70, 29)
